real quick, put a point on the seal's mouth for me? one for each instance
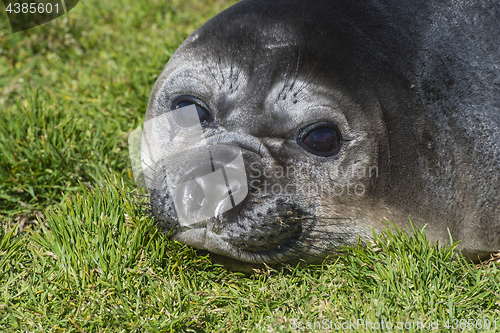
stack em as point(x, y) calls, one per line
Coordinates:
point(232, 264)
point(202, 238)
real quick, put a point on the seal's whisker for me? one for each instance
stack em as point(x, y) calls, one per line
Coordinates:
point(212, 71)
point(285, 84)
point(296, 74)
point(231, 64)
point(306, 82)
point(339, 237)
point(329, 225)
point(323, 218)
point(233, 75)
point(316, 205)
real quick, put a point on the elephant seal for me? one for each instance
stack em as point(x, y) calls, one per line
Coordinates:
point(346, 113)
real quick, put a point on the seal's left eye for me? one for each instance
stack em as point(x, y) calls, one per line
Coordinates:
point(202, 114)
point(322, 141)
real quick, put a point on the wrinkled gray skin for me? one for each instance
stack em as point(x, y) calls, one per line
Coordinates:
point(413, 88)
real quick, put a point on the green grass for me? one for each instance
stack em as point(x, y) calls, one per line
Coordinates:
point(77, 252)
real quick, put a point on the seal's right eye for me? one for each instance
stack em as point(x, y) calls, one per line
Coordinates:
point(203, 115)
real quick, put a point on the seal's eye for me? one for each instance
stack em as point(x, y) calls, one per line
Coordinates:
point(202, 114)
point(324, 141)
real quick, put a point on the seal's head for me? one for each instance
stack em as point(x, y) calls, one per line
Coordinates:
point(307, 131)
